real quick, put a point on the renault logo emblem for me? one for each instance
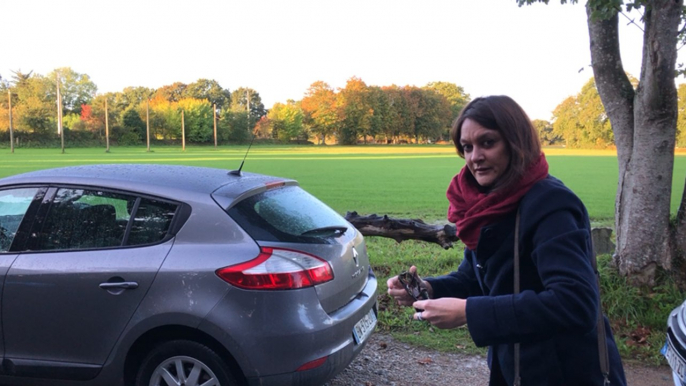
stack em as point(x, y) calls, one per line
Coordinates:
point(355, 254)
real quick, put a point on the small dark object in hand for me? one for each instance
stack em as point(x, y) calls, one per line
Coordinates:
point(410, 282)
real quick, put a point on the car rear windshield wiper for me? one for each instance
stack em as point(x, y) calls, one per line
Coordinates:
point(333, 230)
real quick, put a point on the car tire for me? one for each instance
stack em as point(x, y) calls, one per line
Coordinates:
point(186, 363)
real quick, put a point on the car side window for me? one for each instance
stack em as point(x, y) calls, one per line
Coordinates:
point(84, 219)
point(13, 206)
point(151, 221)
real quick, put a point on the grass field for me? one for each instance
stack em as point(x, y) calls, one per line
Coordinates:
point(401, 181)
point(410, 181)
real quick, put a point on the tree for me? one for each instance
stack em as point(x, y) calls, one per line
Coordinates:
point(198, 119)
point(95, 121)
point(20, 77)
point(581, 120)
point(165, 118)
point(453, 93)
point(263, 128)
point(233, 126)
point(354, 111)
point(413, 98)
point(566, 120)
point(597, 131)
point(132, 97)
point(434, 115)
point(91, 121)
point(644, 125)
point(133, 127)
point(209, 90)
point(72, 121)
point(545, 132)
point(239, 102)
point(320, 110)
point(36, 106)
point(381, 113)
point(399, 115)
point(173, 92)
point(76, 89)
point(4, 104)
point(32, 108)
point(681, 122)
point(287, 121)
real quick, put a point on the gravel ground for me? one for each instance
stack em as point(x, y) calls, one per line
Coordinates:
point(387, 362)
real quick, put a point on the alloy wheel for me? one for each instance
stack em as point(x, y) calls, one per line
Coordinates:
point(183, 371)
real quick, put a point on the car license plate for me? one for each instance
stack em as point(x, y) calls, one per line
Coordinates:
point(364, 327)
point(675, 361)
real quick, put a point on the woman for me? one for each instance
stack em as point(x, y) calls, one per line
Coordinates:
point(554, 316)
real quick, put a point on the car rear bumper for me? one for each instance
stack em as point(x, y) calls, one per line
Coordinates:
point(335, 363)
point(272, 337)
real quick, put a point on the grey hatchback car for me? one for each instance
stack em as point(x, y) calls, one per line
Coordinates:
point(175, 275)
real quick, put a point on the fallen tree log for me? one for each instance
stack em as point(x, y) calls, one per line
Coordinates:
point(401, 229)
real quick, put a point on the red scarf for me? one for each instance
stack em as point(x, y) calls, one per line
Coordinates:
point(470, 209)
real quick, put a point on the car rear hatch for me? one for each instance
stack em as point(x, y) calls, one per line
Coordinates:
point(285, 220)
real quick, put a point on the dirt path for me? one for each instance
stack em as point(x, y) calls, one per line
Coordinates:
point(387, 362)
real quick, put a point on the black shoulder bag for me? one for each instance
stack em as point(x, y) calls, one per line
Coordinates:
point(602, 339)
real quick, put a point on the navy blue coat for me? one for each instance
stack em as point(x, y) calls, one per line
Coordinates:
point(554, 317)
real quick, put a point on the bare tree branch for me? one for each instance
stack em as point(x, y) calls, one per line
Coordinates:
point(403, 229)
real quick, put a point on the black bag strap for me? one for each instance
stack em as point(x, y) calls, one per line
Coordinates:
point(602, 339)
point(517, 378)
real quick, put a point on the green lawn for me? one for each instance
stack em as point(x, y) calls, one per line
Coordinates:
point(401, 181)
point(410, 181)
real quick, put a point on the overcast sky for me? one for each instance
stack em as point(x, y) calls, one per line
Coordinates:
point(536, 54)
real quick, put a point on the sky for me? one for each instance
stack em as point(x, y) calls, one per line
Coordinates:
point(538, 55)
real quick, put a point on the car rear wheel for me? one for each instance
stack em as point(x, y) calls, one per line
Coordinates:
point(183, 362)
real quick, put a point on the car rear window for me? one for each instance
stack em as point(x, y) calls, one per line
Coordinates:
point(151, 222)
point(289, 214)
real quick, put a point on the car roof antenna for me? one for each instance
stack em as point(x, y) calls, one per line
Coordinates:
point(237, 172)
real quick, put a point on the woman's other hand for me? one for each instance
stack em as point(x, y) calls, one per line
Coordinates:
point(442, 313)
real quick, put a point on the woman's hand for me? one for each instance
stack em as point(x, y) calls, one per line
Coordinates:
point(398, 292)
point(443, 312)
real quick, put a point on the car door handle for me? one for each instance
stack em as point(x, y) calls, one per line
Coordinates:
point(119, 285)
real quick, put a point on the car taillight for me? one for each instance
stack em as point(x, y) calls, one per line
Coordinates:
point(313, 364)
point(278, 269)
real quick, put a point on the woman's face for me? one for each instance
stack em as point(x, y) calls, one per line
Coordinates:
point(485, 151)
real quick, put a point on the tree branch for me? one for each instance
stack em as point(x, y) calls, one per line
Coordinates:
point(615, 89)
point(403, 229)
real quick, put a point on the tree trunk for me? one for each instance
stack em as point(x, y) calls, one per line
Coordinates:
point(679, 233)
point(644, 126)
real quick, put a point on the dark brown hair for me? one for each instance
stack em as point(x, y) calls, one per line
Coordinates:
point(502, 113)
